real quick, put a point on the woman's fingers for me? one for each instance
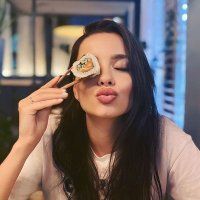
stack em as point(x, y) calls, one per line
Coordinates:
point(45, 104)
point(44, 97)
point(48, 90)
point(31, 108)
point(48, 96)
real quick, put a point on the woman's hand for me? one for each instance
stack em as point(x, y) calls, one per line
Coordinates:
point(34, 111)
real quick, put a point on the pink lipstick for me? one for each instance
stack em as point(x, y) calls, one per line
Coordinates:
point(106, 95)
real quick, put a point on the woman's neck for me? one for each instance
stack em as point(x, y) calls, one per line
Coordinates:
point(102, 134)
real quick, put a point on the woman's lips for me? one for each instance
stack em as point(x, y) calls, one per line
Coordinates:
point(106, 95)
point(106, 99)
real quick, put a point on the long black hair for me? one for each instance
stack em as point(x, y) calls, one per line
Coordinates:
point(134, 173)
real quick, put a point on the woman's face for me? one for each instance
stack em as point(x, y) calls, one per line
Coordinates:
point(106, 95)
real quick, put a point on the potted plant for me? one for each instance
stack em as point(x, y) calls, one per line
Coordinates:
point(8, 135)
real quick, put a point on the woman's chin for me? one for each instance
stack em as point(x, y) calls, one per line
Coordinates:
point(104, 115)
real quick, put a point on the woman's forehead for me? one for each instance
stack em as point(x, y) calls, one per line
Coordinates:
point(102, 44)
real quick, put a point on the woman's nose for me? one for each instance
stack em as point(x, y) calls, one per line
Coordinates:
point(106, 79)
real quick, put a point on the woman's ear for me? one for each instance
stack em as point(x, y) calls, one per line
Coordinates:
point(75, 92)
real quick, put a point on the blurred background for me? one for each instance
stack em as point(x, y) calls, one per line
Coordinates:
point(36, 37)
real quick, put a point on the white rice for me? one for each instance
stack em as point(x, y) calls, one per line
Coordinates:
point(93, 72)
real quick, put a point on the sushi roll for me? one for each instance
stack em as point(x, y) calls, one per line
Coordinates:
point(88, 65)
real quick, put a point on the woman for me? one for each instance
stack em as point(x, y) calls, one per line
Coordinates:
point(109, 141)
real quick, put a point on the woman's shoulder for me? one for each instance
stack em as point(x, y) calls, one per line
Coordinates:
point(181, 159)
point(174, 140)
point(172, 133)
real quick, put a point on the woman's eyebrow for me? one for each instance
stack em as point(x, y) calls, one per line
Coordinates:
point(119, 56)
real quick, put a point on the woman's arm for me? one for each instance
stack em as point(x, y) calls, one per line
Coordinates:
point(12, 165)
point(34, 112)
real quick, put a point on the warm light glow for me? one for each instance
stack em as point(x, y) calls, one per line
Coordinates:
point(69, 31)
point(7, 73)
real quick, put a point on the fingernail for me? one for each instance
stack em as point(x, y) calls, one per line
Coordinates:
point(64, 94)
point(64, 90)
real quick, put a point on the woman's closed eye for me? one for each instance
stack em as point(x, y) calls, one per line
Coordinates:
point(124, 69)
point(121, 65)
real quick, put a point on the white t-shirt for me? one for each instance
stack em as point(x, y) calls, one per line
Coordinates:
point(179, 166)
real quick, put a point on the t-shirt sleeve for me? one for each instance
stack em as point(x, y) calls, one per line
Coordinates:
point(184, 173)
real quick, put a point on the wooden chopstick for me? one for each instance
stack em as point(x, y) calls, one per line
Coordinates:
point(71, 84)
point(63, 76)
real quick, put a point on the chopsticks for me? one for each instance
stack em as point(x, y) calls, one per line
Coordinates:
point(69, 84)
point(63, 76)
